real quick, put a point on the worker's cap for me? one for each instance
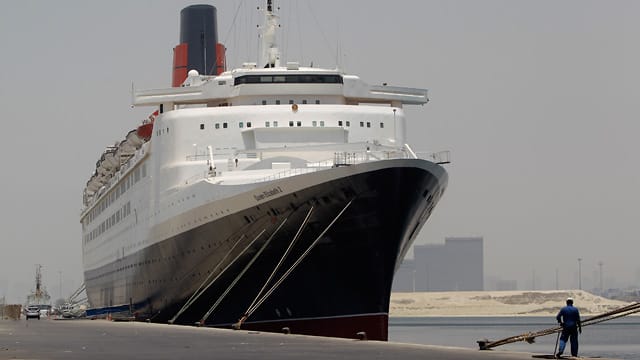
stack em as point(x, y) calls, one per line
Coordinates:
point(569, 299)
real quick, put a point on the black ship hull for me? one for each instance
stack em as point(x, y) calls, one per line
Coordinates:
point(317, 261)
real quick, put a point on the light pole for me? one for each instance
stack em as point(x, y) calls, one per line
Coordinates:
point(579, 273)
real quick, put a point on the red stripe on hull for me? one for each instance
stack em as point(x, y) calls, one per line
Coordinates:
point(376, 326)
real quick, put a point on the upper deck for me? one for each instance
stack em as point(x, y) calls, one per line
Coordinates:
point(249, 84)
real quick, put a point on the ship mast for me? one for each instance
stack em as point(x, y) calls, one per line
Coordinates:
point(270, 51)
point(38, 281)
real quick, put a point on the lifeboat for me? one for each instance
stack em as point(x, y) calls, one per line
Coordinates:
point(144, 131)
point(109, 159)
point(133, 139)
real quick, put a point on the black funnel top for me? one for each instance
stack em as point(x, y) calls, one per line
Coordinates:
point(198, 28)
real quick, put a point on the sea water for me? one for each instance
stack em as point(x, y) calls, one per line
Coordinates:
point(618, 339)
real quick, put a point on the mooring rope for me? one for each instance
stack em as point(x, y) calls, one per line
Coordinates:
point(286, 274)
point(530, 336)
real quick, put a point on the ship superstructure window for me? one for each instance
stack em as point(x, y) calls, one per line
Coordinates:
point(339, 122)
point(348, 123)
point(381, 125)
point(361, 123)
point(266, 124)
point(111, 221)
point(264, 102)
point(277, 102)
point(217, 126)
point(317, 102)
point(241, 124)
point(290, 79)
point(201, 126)
point(224, 125)
point(321, 123)
point(299, 123)
point(368, 124)
point(275, 124)
point(314, 123)
point(304, 101)
point(126, 182)
point(248, 124)
point(290, 123)
point(290, 102)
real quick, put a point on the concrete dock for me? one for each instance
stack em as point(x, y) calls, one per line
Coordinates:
point(102, 339)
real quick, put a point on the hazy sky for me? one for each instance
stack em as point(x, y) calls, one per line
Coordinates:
point(536, 100)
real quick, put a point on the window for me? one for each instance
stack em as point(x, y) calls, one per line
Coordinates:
point(224, 125)
point(266, 124)
point(348, 123)
point(290, 102)
point(314, 123)
point(340, 123)
point(290, 123)
point(201, 126)
point(321, 123)
point(264, 102)
point(217, 126)
point(368, 124)
point(240, 124)
point(299, 123)
point(304, 101)
point(318, 102)
point(361, 124)
point(299, 79)
point(275, 124)
point(248, 124)
point(381, 125)
point(277, 102)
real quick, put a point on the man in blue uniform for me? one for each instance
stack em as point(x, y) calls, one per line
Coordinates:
point(569, 319)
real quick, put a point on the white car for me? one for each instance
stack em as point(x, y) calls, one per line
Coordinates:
point(32, 311)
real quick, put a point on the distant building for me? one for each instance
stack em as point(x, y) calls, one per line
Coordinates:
point(458, 265)
point(404, 280)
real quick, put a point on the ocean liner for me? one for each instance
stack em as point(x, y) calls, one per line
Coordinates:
point(273, 197)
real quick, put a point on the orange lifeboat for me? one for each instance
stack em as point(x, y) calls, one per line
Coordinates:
point(144, 131)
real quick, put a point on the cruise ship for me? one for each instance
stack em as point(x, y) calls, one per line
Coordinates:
point(271, 197)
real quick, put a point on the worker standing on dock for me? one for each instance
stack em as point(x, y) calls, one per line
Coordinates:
point(569, 319)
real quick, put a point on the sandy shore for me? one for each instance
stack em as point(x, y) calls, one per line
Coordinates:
point(497, 303)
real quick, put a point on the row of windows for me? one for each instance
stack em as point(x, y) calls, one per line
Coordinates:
point(288, 79)
point(131, 178)
point(314, 123)
point(291, 102)
point(115, 218)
